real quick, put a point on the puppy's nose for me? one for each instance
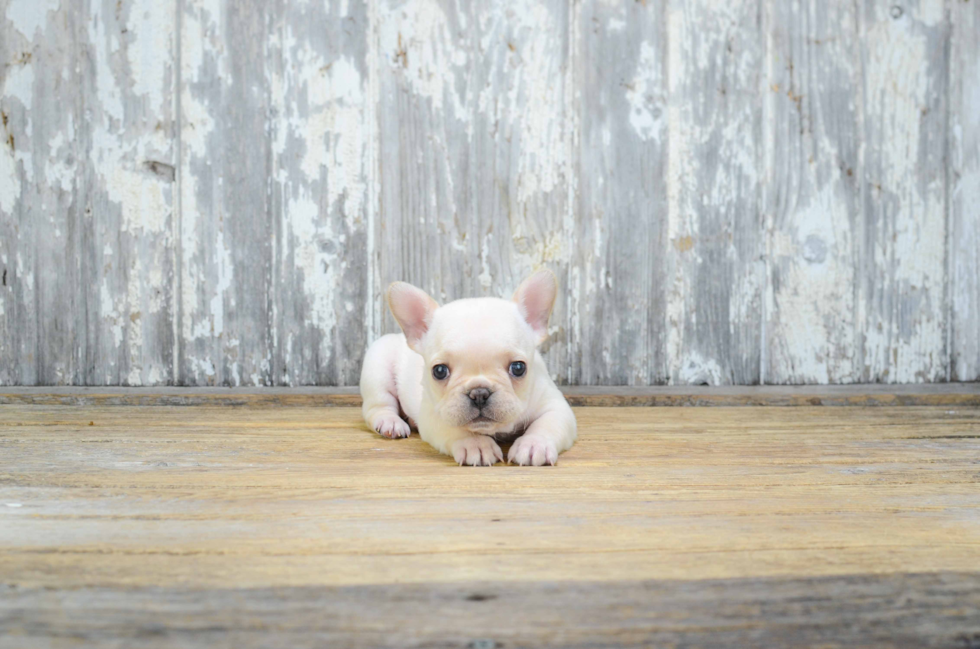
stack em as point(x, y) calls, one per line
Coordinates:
point(479, 397)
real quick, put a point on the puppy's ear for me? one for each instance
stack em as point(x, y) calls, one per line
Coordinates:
point(535, 298)
point(413, 309)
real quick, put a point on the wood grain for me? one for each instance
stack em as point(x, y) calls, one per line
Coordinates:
point(886, 611)
point(776, 526)
point(219, 497)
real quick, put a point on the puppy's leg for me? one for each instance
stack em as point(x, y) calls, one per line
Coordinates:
point(551, 433)
point(379, 391)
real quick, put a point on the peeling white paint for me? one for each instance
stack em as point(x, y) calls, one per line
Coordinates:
point(818, 344)
point(9, 180)
point(485, 277)
point(320, 264)
point(31, 15)
point(224, 271)
point(416, 36)
point(712, 175)
point(616, 24)
point(333, 132)
point(931, 12)
point(152, 27)
point(109, 94)
point(19, 84)
point(543, 161)
point(646, 117)
point(110, 313)
point(696, 370)
point(964, 279)
point(202, 44)
point(910, 254)
point(680, 187)
point(134, 329)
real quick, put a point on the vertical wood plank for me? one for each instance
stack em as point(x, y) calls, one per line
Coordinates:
point(618, 276)
point(475, 164)
point(964, 194)
point(321, 102)
point(226, 229)
point(902, 277)
point(88, 92)
point(34, 53)
point(813, 134)
point(714, 305)
point(125, 191)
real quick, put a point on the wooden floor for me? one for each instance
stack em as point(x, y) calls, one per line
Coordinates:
point(203, 526)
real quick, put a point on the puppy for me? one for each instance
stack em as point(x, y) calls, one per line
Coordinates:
point(468, 374)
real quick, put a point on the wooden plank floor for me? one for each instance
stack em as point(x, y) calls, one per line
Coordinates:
point(203, 526)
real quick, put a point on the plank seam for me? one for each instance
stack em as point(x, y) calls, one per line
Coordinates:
point(371, 316)
point(949, 252)
point(950, 395)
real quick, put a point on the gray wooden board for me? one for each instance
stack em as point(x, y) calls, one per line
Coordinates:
point(902, 270)
point(226, 171)
point(914, 610)
point(813, 205)
point(617, 284)
point(716, 62)
point(86, 192)
point(207, 192)
point(964, 190)
point(323, 110)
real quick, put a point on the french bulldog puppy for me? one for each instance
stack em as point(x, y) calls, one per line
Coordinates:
point(468, 374)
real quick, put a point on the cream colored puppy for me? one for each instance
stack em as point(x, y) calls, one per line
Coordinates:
point(468, 374)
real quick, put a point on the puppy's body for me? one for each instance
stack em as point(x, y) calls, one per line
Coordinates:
point(496, 384)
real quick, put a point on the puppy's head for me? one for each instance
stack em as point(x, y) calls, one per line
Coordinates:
point(479, 353)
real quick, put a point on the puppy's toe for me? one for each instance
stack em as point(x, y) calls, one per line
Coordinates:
point(533, 451)
point(392, 427)
point(477, 451)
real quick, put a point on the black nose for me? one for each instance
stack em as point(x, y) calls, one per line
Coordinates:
point(479, 397)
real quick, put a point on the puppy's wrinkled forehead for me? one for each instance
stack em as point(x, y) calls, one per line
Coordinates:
point(480, 324)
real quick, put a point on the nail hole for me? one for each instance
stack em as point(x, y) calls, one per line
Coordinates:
point(161, 169)
point(480, 597)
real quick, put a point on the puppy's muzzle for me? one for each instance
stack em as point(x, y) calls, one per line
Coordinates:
point(479, 397)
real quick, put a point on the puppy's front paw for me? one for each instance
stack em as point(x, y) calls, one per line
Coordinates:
point(531, 450)
point(477, 451)
point(392, 426)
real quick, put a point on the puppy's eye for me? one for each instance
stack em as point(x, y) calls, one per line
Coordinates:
point(440, 372)
point(518, 368)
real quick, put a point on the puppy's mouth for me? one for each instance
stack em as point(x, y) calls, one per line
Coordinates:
point(481, 421)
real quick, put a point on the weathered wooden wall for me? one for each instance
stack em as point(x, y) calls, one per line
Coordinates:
point(216, 192)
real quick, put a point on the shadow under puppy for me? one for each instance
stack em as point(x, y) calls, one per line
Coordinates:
point(469, 372)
